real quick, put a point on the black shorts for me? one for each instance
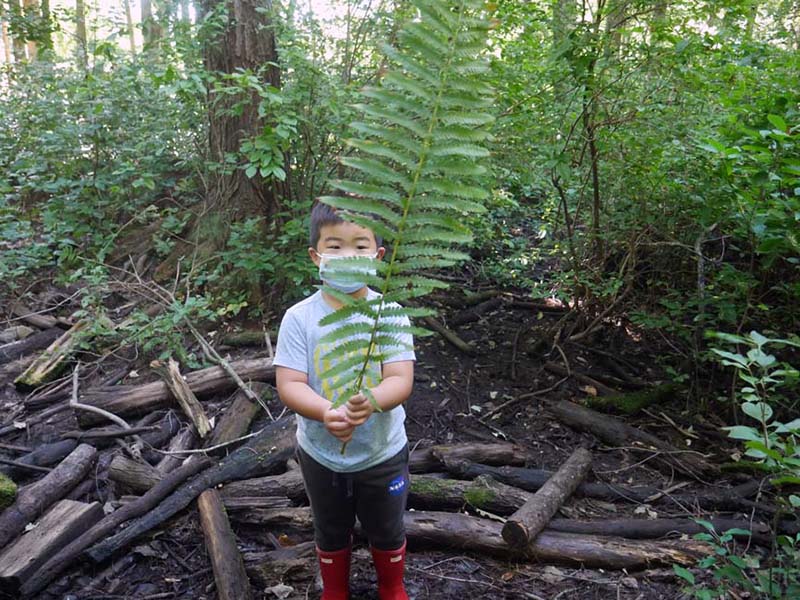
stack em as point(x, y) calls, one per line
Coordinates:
point(377, 496)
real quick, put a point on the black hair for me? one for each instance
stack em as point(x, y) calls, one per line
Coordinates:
point(321, 215)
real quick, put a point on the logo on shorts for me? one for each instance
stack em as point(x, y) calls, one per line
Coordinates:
point(397, 485)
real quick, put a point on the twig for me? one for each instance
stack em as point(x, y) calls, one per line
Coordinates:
point(209, 448)
point(22, 465)
point(214, 357)
point(522, 397)
point(73, 403)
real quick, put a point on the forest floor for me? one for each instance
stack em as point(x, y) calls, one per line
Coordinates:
point(453, 392)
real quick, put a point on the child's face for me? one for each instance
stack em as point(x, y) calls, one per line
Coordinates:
point(345, 239)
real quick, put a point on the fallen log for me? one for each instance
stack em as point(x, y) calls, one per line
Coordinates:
point(12, 370)
point(43, 456)
point(533, 479)
point(61, 524)
point(474, 313)
point(525, 524)
point(247, 337)
point(429, 492)
point(100, 434)
point(35, 498)
point(450, 336)
point(264, 568)
point(235, 421)
point(139, 399)
point(247, 502)
point(267, 451)
point(585, 379)
point(134, 475)
point(423, 460)
point(142, 505)
point(40, 320)
point(52, 360)
point(181, 391)
point(482, 536)
point(185, 440)
point(15, 333)
point(615, 432)
point(38, 341)
point(289, 484)
point(633, 402)
point(226, 561)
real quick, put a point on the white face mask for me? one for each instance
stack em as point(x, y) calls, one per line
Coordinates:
point(331, 275)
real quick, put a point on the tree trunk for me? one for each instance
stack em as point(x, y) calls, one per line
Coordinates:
point(129, 21)
point(6, 40)
point(151, 30)
point(31, 14)
point(247, 42)
point(32, 343)
point(435, 457)
point(80, 32)
point(18, 42)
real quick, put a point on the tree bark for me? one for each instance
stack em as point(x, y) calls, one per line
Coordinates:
point(226, 561)
point(60, 525)
point(80, 32)
point(181, 391)
point(31, 14)
point(134, 475)
point(525, 524)
point(185, 440)
point(235, 421)
point(129, 22)
point(34, 499)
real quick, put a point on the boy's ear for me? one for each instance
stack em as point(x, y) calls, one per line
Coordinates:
point(381, 253)
point(312, 253)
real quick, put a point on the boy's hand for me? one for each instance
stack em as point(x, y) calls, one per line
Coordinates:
point(335, 421)
point(358, 409)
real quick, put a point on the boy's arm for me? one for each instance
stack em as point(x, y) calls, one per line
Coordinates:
point(296, 394)
point(392, 391)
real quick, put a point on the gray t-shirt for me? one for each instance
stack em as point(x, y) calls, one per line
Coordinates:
point(383, 434)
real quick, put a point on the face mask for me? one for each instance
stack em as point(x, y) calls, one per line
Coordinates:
point(331, 276)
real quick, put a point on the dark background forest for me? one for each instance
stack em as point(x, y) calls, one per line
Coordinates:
point(644, 176)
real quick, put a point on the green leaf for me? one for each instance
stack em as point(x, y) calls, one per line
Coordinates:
point(684, 574)
point(741, 432)
point(778, 122)
point(759, 411)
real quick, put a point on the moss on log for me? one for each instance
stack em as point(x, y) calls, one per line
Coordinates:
point(8, 491)
point(629, 404)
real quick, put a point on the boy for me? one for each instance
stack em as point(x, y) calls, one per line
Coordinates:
point(370, 479)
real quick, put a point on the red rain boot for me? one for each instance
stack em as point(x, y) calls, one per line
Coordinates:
point(335, 570)
point(390, 565)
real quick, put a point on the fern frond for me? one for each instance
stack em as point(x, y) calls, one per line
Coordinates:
point(418, 148)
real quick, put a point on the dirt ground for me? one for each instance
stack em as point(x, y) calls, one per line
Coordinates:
point(453, 390)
